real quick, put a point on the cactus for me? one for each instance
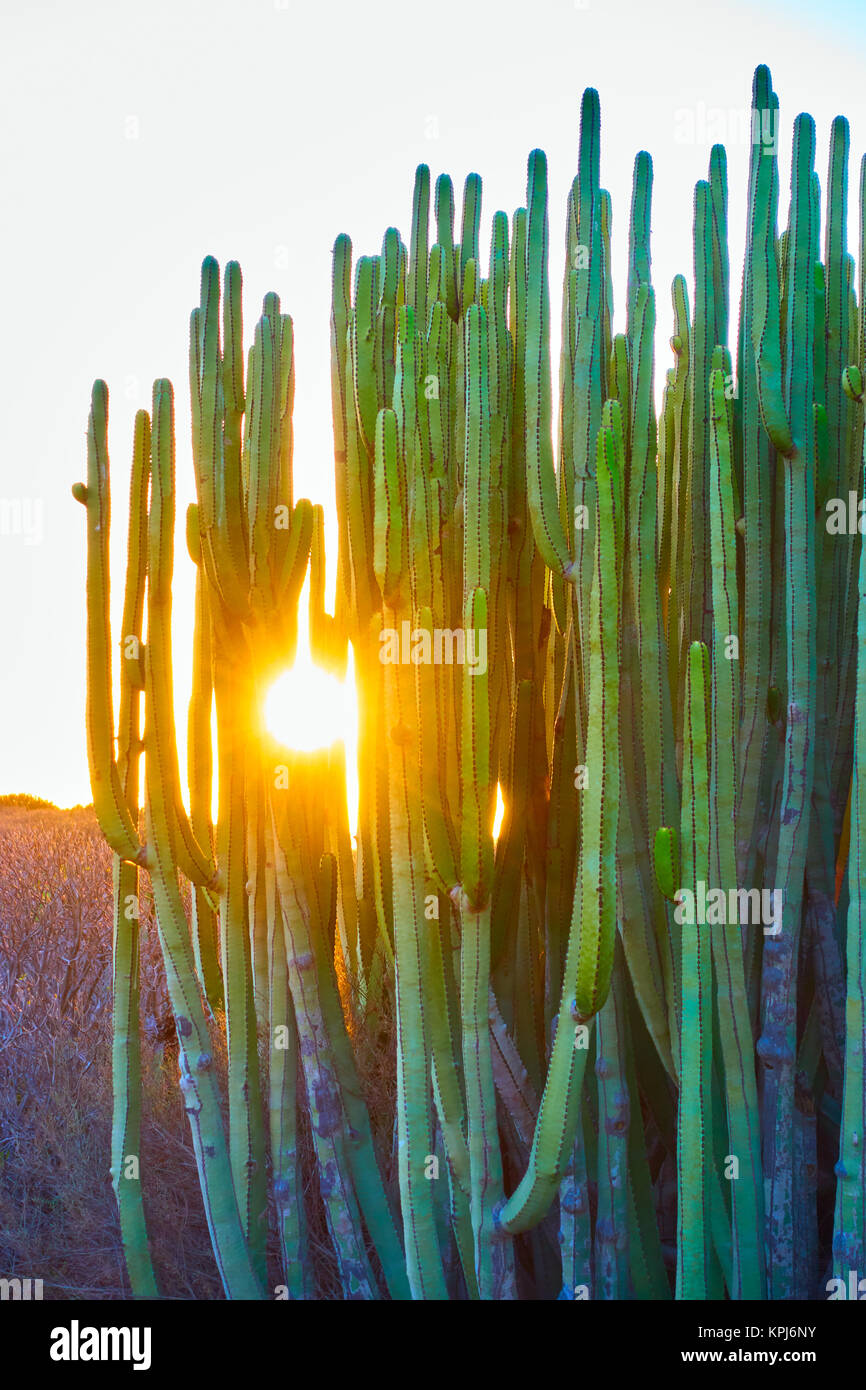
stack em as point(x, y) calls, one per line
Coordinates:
point(644, 631)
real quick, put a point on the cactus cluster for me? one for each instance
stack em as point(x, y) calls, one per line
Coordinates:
point(629, 1031)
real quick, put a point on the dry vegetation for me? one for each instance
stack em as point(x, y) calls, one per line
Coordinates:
point(58, 1220)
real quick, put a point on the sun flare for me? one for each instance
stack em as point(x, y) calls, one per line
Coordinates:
point(500, 813)
point(306, 708)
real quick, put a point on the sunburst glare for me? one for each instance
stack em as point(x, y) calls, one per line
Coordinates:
point(307, 708)
point(500, 813)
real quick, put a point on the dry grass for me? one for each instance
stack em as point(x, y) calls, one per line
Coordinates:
point(58, 1219)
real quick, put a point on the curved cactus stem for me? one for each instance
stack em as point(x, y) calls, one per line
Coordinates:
point(200, 775)
point(776, 1045)
point(494, 1255)
point(126, 1043)
point(849, 1231)
point(168, 812)
point(594, 911)
point(109, 802)
point(198, 1083)
point(411, 948)
point(728, 941)
point(615, 1120)
point(589, 957)
point(246, 1118)
point(307, 977)
point(541, 483)
point(694, 1241)
point(283, 1101)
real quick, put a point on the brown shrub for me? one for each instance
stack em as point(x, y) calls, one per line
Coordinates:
point(58, 1217)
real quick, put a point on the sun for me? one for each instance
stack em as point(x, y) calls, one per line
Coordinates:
point(306, 708)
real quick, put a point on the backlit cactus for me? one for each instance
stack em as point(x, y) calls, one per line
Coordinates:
point(622, 1053)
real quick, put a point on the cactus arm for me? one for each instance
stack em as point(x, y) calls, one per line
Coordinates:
point(700, 355)
point(297, 553)
point(493, 1257)
point(327, 645)
point(263, 461)
point(246, 1119)
point(615, 1120)
point(476, 851)
point(639, 236)
point(849, 1231)
point(256, 887)
point(389, 544)
point(494, 1266)
point(406, 839)
point(167, 807)
point(589, 955)
point(309, 983)
point(594, 914)
point(589, 371)
point(218, 473)
point(735, 1031)
point(229, 539)
point(469, 227)
point(126, 1173)
point(648, 1274)
point(318, 1061)
point(126, 1043)
point(360, 1153)
point(509, 853)
point(439, 835)
point(448, 1090)
point(109, 802)
point(284, 334)
point(588, 164)
point(422, 1253)
point(416, 286)
point(680, 557)
point(341, 279)
point(386, 316)
point(200, 772)
point(777, 1042)
point(198, 1083)
point(445, 239)
point(541, 483)
point(362, 346)
point(718, 183)
point(283, 1109)
point(575, 1225)
point(757, 518)
point(650, 748)
point(766, 308)
point(835, 341)
point(694, 1247)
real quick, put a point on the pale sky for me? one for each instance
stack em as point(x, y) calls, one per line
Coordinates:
point(137, 138)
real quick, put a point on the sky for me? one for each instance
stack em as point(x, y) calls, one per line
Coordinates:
point(137, 138)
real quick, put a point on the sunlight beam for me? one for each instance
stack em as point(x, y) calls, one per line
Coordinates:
point(306, 708)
